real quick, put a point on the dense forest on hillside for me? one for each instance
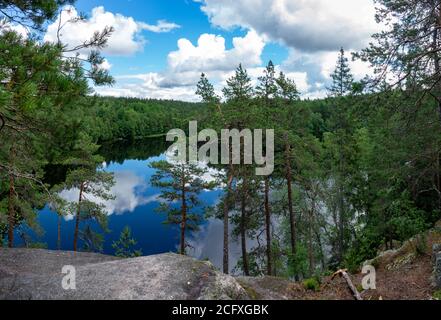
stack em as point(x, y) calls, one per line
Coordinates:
point(110, 119)
point(356, 172)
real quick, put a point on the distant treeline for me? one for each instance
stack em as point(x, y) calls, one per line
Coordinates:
point(112, 119)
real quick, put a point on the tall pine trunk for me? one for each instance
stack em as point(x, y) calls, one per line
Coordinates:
point(292, 219)
point(438, 180)
point(184, 218)
point(11, 212)
point(226, 266)
point(268, 227)
point(311, 243)
point(438, 96)
point(341, 200)
point(11, 204)
point(59, 232)
point(77, 220)
point(341, 226)
point(436, 59)
point(320, 248)
point(243, 231)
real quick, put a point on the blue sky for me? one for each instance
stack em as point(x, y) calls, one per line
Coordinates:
point(160, 47)
point(153, 57)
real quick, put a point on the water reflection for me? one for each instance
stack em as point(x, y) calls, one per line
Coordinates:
point(129, 191)
point(207, 244)
point(135, 203)
point(134, 206)
point(121, 151)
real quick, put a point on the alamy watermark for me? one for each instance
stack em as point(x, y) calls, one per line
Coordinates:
point(369, 281)
point(235, 147)
point(69, 281)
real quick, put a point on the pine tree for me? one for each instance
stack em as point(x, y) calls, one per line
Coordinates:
point(267, 87)
point(406, 53)
point(61, 207)
point(31, 13)
point(342, 79)
point(239, 87)
point(234, 114)
point(286, 89)
point(406, 58)
point(206, 90)
point(287, 95)
point(92, 241)
point(341, 86)
point(37, 72)
point(124, 246)
point(267, 92)
point(38, 84)
point(92, 182)
point(181, 183)
point(22, 190)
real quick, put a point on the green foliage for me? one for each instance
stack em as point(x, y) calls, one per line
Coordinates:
point(421, 247)
point(124, 246)
point(180, 183)
point(206, 91)
point(311, 284)
point(405, 219)
point(269, 85)
point(39, 92)
point(239, 87)
point(361, 250)
point(92, 240)
point(437, 295)
point(286, 89)
point(88, 177)
point(342, 79)
point(298, 264)
point(32, 13)
point(37, 245)
point(112, 119)
point(254, 266)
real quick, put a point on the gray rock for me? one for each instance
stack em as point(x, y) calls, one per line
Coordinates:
point(39, 262)
point(36, 275)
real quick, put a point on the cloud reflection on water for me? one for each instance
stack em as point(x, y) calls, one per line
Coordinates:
point(129, 191)
point(207, 244)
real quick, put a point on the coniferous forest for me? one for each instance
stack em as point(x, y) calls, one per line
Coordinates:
point(356, 172)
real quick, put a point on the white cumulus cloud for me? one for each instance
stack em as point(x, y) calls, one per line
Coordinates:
point(128, 193)
point(185, 65)
point(126, 39)
point(313, 31)
point(21, 30)
point(210, 53)
point(160, 27)
point(308, 25)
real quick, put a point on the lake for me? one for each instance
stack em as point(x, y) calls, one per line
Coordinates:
point(134, 206)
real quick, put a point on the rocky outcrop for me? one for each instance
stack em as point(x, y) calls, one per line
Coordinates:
point(37, 275)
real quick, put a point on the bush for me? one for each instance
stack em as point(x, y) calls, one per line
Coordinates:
point(312, 284)
point(124, 247)
point(363, 249)
point(298, 264)
point(421, 244)
point(437, 295)
point(37, 245)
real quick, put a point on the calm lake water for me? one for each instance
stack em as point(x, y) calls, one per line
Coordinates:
point(134, 206)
